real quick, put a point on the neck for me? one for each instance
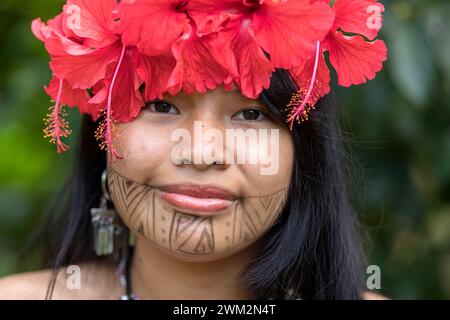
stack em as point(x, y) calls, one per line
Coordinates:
point(157, 275)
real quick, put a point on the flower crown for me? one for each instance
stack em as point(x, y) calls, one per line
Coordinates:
point(104, 52)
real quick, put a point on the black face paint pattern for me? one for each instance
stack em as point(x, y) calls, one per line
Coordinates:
point(142, 210)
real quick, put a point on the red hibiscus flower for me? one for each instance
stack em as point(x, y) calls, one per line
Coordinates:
point(86, 53)
point(285, 30)
point(164, 33)
point(354, 59)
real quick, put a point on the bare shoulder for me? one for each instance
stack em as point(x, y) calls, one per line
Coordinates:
point(96, 282)
point(368, 295)
point(25, 286)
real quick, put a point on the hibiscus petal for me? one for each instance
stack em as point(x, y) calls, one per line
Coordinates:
point(288, 31)
point(359, 16)
point(57, 44)
point(84, 71)
point(40, 29)
point(354, 59)
point(152, 25)
point(211, 15)
point(155, 71)
point(70, 97)
point(126, 97)
point(254, 68)
point(91, 20)
point(43, 31)
point(202, 63)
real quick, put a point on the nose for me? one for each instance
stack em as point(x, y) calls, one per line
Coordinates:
point(203, 165)
point(206, 146)
point(206, 155)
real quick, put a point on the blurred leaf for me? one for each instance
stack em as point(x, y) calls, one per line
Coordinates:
point(410, 62)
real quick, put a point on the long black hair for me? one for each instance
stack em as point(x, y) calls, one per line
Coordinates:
point(313, 250)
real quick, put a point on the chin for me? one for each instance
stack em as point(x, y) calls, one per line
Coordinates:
point(221, 251)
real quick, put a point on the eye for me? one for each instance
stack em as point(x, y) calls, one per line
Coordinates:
point(161, 107)
point(250, 115)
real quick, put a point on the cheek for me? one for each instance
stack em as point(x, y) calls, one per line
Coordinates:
point(255, 214)
point(273, 170)
point(144, 150)
point(266, 194)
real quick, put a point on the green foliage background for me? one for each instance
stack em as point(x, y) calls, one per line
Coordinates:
point(399, 125)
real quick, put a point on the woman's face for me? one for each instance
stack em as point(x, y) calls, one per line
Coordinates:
point(191, 190)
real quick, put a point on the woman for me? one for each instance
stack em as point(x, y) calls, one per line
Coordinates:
point(167, 215)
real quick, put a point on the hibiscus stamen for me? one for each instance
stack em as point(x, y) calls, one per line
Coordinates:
point(56, 126)
point(300, 112)
point(106, 129)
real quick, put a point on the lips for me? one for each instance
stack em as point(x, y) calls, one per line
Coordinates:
point(196, 198)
